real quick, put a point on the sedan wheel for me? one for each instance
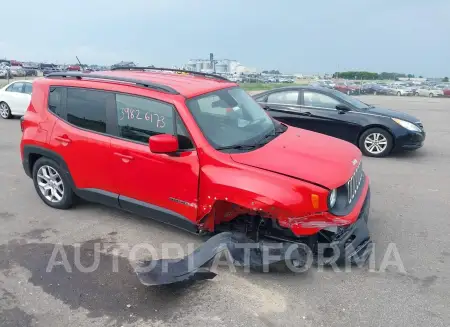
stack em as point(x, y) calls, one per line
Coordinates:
point(374, 92)
point(399, 93)
point(376, 142)
point(430, 95)
point(5, 111)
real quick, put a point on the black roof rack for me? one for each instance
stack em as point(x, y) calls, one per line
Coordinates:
point(171, 70)
point(150, 85)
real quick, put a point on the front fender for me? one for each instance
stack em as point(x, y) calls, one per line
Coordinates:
point(226, 192)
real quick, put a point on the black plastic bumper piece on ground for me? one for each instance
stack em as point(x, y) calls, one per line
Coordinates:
point(198, 264)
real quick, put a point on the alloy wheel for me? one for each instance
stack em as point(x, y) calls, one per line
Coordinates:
point(375, 143)
point(50, 183)
point(4, 110)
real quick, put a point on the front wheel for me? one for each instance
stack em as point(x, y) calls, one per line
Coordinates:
point(376, 142)
point(5, 111)
point(399, 93)
point(430, 95)
point(51, 184)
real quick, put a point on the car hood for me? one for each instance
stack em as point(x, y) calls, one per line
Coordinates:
point(392, 114)
point(305, 155)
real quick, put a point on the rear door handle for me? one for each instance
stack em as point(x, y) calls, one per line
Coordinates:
point(124, 157)
point(63, 139)
point(307, 113)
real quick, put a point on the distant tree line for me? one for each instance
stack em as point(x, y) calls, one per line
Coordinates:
point(370, 75)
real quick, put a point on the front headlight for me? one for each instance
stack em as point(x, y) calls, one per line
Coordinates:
point(332, 198)
point(406, 124)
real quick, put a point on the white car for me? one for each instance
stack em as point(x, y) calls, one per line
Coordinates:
point(15, 98)
point(429, 91)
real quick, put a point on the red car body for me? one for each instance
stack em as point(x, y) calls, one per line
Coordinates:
point(287, 181)
point(74, 68)
point(447, 91)
point(346, 88)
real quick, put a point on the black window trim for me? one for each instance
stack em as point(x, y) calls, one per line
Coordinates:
point(112, 124)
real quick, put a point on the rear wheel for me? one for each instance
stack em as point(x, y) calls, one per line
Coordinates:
point(376, 142)
point(5, 111)
point(430, 95)
point(399, 93)
point(416, 94)
point(374, 92)
point(51, 184)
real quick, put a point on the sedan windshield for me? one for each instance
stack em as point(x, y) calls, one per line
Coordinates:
point(349, 99)
point(230, 118)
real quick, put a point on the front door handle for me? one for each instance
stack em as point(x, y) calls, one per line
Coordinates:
point(125, 158)
point(307, 113)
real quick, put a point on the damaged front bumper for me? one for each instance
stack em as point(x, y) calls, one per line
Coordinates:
point(349, 244)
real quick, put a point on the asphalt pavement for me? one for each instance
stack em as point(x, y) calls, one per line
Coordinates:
point(409, 216)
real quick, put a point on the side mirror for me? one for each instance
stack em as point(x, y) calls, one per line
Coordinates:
point(342, 108)
point(163, 143)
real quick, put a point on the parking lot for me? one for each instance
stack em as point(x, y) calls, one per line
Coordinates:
point(410, 208)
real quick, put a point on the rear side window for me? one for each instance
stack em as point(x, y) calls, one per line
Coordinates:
point(16, 87)
point(55, 100)
point(283, 97)
point(139, 118)
point(87, 108)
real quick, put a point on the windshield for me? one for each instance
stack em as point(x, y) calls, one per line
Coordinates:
point(353, 101)
point(230, 117)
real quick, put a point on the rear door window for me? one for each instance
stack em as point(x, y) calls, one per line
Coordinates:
point(86, 108)
point(27, 88)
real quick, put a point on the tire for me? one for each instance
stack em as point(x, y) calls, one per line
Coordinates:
point(416, 94)
point(430, 95)
point(66, 196)
point(399, 93)
point(384, 138)
point(374, 92)
point(5, 111)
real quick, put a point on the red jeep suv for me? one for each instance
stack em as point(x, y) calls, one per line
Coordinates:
point(192, 150)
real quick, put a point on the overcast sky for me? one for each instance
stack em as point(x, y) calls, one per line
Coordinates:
point(409, 36)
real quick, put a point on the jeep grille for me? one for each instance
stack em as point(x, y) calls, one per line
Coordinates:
point(354, 183)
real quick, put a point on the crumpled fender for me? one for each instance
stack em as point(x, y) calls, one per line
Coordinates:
point(254, 191)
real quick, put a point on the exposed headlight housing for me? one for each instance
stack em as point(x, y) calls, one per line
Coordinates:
point(332, 197)
point(406, 124)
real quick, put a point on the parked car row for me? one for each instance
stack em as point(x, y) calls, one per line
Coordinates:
point(380, 88)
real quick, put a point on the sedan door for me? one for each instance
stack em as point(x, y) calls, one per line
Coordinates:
point(323, 117)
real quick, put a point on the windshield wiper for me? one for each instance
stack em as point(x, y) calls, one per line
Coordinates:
point(237, 147)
